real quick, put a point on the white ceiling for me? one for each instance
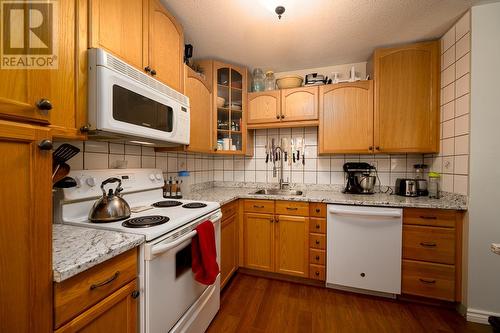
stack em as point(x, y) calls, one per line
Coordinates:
point(311, 33)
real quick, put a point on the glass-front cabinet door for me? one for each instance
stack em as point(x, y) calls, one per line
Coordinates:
point(230, 89)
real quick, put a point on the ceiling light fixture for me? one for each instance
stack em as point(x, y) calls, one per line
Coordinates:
point(279, 10)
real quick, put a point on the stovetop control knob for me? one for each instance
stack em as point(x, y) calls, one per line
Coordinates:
point(90, 181)
point(158, 176)
point(152, 177)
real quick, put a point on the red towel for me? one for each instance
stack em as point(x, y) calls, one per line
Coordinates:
point(204, 254)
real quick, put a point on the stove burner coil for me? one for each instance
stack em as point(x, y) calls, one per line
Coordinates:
point(167, 203)
point(194, 205)
point(145, 221)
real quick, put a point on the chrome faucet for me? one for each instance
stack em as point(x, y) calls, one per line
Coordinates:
point(280, 155)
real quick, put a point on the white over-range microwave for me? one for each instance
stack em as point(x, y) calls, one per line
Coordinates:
point(127, 105)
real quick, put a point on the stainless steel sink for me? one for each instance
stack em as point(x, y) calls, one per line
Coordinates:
point(275, 191)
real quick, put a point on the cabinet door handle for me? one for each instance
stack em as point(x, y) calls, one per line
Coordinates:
point(428, 217)
point(257, 206)
point(427, 281)
point(428, 244)
point(153, 72)
point(45, 144)
point(44, 104)
point(135, 294)
point(318, 210)
point(370, 148)
point(291, 208)
point(317, 258)
point(105, 282)
point(147, 69)
point(316, 273)
point(318, 226)
point(277, 116)
point(276, 219)
point(282, 116)
point(271, 220)
point(377, 148)
point(317, 242)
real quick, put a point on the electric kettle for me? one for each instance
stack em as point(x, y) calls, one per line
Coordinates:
point(111, 206)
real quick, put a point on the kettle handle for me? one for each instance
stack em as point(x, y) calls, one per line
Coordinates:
point(109, 181)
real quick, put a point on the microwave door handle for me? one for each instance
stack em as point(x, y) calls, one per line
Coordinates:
point(158, 249)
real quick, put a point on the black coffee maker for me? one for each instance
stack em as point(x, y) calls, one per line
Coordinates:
point(360, 178)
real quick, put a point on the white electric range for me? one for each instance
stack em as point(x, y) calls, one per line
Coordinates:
point(170, 299)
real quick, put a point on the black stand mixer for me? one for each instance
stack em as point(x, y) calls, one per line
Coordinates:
point(360, 178)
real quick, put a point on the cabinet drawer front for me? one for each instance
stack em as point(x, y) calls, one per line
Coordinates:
point(317, 257)
point(317, 272)
point(317, 241)
point(428, 280)
point(317, 225)
point(429, 244)
point(259, 206)
point(229, 209)
point(317, 209)
point(292, 208)
point(82, 291)
point(430, 217)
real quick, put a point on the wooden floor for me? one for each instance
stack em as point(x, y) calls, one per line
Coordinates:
point(254, 304)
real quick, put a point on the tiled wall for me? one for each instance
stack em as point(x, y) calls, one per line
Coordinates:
point(453, 159)
point(317, 169)
point(103, 155)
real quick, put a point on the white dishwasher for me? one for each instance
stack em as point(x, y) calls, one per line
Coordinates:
point(364, 249)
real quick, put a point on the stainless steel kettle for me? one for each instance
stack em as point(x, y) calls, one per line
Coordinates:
point(110, 207)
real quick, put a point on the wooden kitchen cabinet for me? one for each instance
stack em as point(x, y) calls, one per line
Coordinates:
point(432, 253)
point(118, 26)
point(292, 250)
point(346, 118)
point(25, 229)
point(116, 313)
point(298, 104)
point(229, 241)
point(264, 107)
point(294, 107)
point(258, 241)
point(166, 46)
point(200, 102)
point(46, 95)
point(406, 117)
point(229, 86)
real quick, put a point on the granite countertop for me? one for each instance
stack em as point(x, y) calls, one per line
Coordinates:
point(225, 194)
point(76, 249)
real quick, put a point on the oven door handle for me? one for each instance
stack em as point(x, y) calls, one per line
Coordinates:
point(158, 249)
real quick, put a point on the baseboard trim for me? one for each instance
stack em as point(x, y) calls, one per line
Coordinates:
point(480, 316)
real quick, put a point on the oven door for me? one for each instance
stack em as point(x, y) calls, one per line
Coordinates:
point(170, 285)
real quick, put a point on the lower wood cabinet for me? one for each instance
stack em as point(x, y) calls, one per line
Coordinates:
point(116, 313)
point(103, 296)
point(229, 242)
point(432, 248)
point(258, 241)
point(292, 252)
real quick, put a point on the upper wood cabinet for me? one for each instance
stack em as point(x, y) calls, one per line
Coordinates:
point(299, 104)
point(283, 108)
point(200, 100)
point(407, 98)
point(346, 118)
point(264, 107)
point(26, 229)
point(142, 33)
point(45, 95)
point(166, 46)
point(118, 26)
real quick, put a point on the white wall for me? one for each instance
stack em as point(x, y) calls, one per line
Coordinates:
point(484, 207)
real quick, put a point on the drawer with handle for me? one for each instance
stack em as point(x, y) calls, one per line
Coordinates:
point(259, 206)
point(429, 244)
point(317, 257)
point(317, 272)
point(430, 217)
point(428, 280)
point(317, 209)
point(317, 241)
point(82, 291)
point(317, 225)
point(292, 208)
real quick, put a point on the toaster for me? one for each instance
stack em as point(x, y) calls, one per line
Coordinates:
point(406, 187)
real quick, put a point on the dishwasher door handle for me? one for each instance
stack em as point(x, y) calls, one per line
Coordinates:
point(343, 211)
